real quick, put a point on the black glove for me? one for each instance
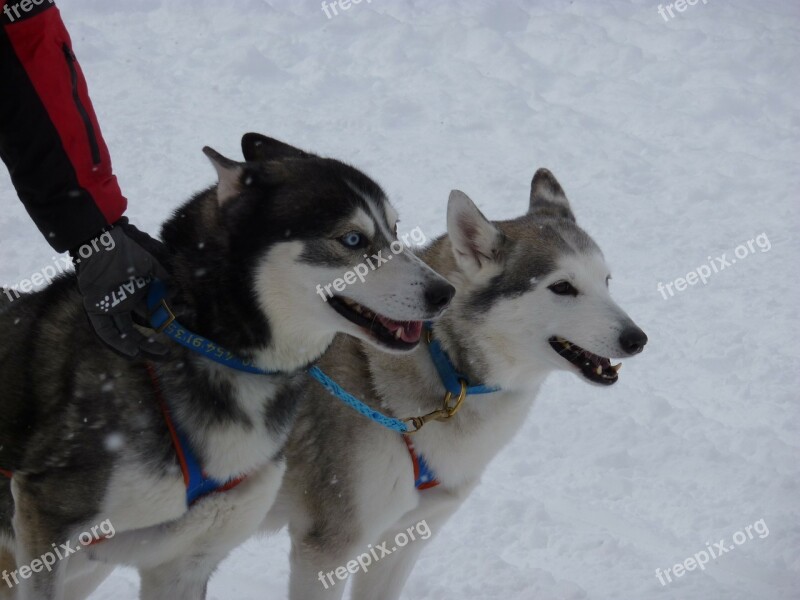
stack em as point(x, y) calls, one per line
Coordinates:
point(114, 271)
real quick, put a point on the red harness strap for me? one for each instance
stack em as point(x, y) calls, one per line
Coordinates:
point(5, 473)
point(168, 420)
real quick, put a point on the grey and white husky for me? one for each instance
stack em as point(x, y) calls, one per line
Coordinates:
point(81, 429)
point(532, 298)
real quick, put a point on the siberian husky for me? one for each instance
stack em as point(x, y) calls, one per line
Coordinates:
point(532, 298)
point(83, 437)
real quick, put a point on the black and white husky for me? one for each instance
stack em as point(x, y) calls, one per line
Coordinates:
point(82, 432)
point(532, 298)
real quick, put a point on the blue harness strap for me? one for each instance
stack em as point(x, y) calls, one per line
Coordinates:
point(424, 477)
point(336, 390)
point(197, 483)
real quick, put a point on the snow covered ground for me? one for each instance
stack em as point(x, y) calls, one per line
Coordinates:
point(676, 141)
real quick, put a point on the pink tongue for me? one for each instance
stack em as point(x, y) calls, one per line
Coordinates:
point(410, 331)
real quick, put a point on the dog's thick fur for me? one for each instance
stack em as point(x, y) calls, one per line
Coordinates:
point(81, 427)
point(349, 485)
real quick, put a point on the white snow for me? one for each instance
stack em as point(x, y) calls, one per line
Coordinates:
point(675, 141)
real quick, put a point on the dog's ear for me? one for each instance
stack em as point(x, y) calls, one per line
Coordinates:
point(259, 147)
point(229, 173)
point(548, 197)
point(475, 240)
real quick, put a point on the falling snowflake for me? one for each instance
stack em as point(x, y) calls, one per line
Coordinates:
point(114, 442)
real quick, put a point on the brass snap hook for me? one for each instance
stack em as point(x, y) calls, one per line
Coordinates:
point(448, 410)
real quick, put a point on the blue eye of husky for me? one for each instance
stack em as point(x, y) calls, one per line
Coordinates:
point(352, 239)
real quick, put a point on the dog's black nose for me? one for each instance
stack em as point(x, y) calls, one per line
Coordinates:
point(632, 340)
point(439, 295)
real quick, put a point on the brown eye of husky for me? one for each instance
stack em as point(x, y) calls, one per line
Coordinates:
point(563, 288)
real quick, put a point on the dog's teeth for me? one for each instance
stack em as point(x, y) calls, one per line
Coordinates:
point(399, 334)
point(599, 370)
point(617, 367)
point(357, 308)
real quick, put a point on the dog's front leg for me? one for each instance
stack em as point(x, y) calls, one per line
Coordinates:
point(41, 558)
point(82, 585)
point(182, 579)
point(7, 565)
point(313, 574)
point(386, 578)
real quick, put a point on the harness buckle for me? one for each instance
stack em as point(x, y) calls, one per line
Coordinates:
point(448, 410)
point(170, 315)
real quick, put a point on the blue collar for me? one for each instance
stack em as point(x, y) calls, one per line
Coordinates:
point(451, 378)
point(163, 321)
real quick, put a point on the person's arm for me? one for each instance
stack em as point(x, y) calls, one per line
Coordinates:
point(59, 164)
point(49, 136)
